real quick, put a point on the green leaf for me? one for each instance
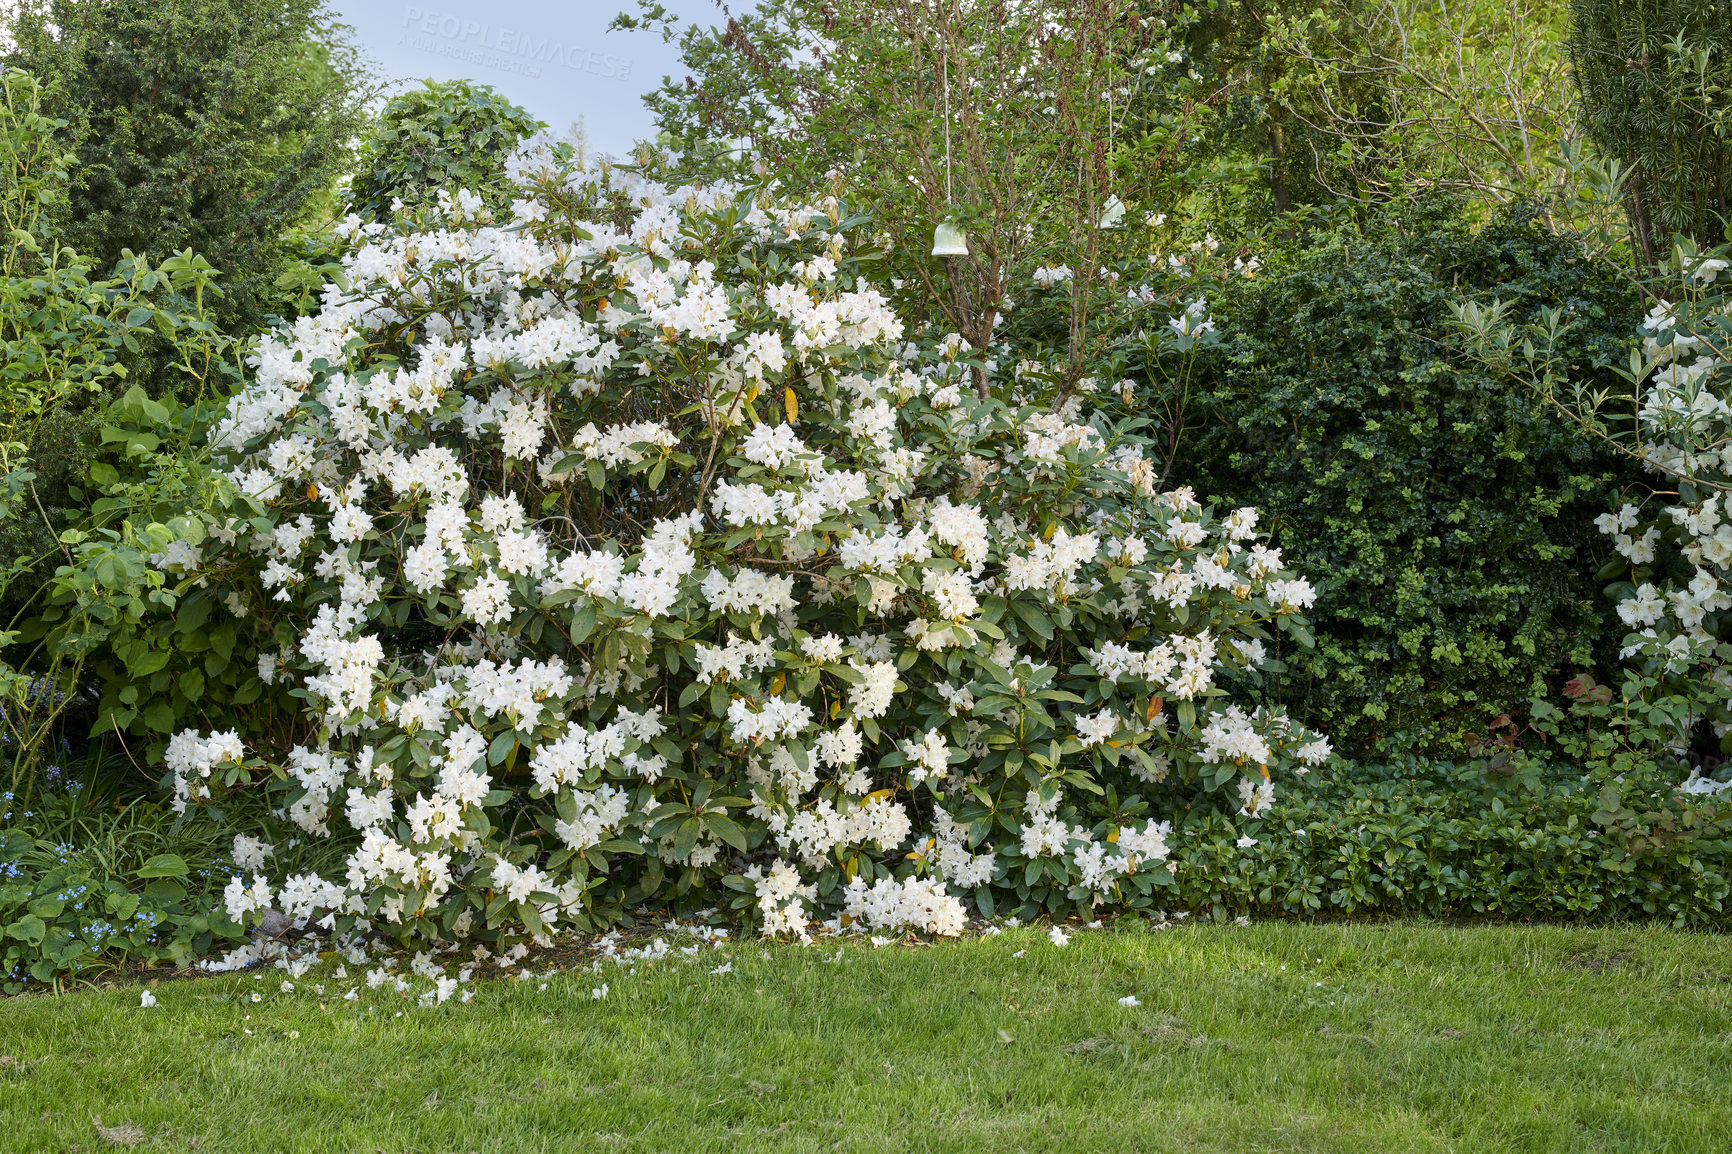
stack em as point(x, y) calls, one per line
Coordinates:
point(685, 838)
point(163, 865)
point(111, 571)
point(725, 829)
point(1037, 621)
point(151, 661)
point(28, 928)
point(582, 624)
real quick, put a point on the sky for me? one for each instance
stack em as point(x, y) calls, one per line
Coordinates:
point(557, 60)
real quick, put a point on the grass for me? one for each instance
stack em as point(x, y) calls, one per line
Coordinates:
point(1349, 1037)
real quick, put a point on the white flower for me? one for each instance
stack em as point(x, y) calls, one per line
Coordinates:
point(928, 758)
point(1096, 729)
point(249, 853)
point(773, 446)
point(1290, 596)
point(488, 601)
point(917, 902)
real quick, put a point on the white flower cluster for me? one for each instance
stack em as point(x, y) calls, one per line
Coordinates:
point(1682, 558)
point(191, 758)
point(920, 903)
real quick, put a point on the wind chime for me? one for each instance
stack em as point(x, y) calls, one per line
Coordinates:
point(948, 239)
point(1113, 211)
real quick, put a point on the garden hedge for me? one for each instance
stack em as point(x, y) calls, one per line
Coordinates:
point(1447, 513)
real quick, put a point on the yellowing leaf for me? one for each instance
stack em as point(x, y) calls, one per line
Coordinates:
point(776, 685)
point(791, 403)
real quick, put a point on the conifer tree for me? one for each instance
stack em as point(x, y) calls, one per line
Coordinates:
point(1656, 84)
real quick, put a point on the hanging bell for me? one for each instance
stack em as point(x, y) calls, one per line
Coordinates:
point(1112, 212)
point(948, 239)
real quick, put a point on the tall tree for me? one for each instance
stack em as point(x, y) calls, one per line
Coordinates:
point(1655, 78)
point(1030, 126)
point(203, 124)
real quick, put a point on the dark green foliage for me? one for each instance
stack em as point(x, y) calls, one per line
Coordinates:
point(202, 124)
point(1654, 76)
point(62, 914)
point(441, 136)
point(166, 654)
point(90, 881)
point(1442, 840)
point(96, 875)
point(1407, 839)
point(1445, 515)
point(68, 340)
point(1267, 107)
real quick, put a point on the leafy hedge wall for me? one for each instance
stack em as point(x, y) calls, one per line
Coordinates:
point(1421, 838)
point(1448, 515)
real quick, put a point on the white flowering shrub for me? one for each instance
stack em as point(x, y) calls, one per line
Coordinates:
point(637, 557)
point(1675, 551)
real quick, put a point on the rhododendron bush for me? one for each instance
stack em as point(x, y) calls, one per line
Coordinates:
point(1675, 555)
point(643, 557)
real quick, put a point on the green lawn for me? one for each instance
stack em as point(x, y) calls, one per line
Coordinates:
point(1276, 1037)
